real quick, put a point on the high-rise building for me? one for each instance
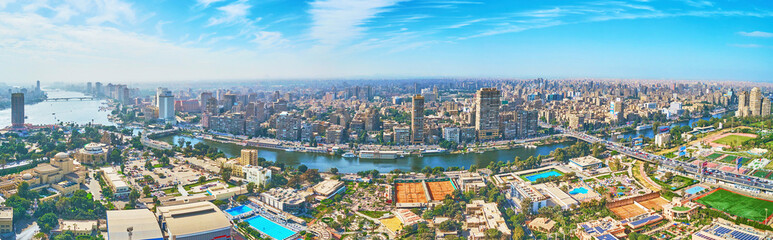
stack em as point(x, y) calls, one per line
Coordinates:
point(755, 101)
point(165, 105)
point(743, 104)
point(765, 106)
point(17, 110)
point(487, 104)
point(249, 157)
point(417, 120)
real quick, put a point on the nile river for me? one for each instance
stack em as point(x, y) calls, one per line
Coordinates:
point(73, 111)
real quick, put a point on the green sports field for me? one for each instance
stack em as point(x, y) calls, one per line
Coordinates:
point(714, 156)
point(729, 159)
point(736, 204)
point(728, 140)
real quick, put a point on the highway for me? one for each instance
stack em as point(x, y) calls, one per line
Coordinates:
point(688, 166)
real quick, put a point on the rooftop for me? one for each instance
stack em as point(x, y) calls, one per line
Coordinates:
point(142, 222)
point(193, 218)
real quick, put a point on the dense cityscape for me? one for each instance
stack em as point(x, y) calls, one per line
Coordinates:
point(623, 159)
point(386, 119)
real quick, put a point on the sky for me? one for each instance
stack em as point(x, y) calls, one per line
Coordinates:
point(150, 41)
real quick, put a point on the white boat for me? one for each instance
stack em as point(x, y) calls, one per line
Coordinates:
point(643, 127)
point(290, 150)
point(349, 155)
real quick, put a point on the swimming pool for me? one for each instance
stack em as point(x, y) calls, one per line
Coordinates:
point(694, 190)
point(270, 228)
point(551, 173)
point(579, 190)
point(236, 211)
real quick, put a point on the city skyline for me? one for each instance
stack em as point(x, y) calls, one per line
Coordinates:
point(206, 40)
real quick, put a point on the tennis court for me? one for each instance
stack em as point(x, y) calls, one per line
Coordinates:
point(439, 190)
point(410, 193)
point(655, 203)
point(737, 204)
point(628, 211)
point(729, 159)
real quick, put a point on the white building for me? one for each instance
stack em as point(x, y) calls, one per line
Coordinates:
point(451, 134)
point(165, 105)
point(256, 174)
point(662, 139)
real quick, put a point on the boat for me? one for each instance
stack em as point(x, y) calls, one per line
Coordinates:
point(718, 111)
point(349, 155)
point(664, 128)
point(643, 127)
point(376, 154)
point(433, 151)
point(289, 149)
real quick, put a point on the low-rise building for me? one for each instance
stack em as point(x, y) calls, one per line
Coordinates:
point(678, 210)
point(92, 153)
point(723, 229)
point(256, 174)
point(194, 221)
point(585, 163)
point(115, 182)
point(285, 199)
point(481, 216)
point(520, 191)
point(133, 224)
point(542, 225)
point(78, 227)
point(663, 139)
point(6, 220)
point(329, 188)
point(606, 228)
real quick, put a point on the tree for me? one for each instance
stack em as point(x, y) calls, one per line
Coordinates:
point(302, 168)
point(334, 170)
point(202, 179)
point(225, 173)
point(492, 234)
point(146, 191)
point(251, 187)
point(242, 198)
point(47, 222)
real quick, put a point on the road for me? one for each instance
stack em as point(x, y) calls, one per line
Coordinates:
point(29, 232)
point(687, 166)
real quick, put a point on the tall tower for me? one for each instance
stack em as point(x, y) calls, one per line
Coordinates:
point(165, 104)
point(743, 103)
point(755, 101)
point(17, 110)
point(765, 106)
point(487, 104)
point(417, 120)
point(249, 157)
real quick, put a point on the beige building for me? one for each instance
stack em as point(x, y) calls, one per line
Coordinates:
point(487, 102)
point(60, 168)
point(6, 220)
point(78, 227)
point(249, 157)
point(202, 220)
point(92, 153)
point(417, 120)
point(132, 224)
point(482, 216)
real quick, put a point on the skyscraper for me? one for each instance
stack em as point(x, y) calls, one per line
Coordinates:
point(417, 120)
point(743, 104)
point(487, 104)
point(17, 110)
point(755, 101)
point(165, 105)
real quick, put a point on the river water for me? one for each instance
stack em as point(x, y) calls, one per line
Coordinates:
point(651, 134)
point(52, 112)
point(325, 162)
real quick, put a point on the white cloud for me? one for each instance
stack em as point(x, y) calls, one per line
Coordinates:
point(756, 34)
point(4, 3)
point(266, 39)
point(231, 13)
point(160, 27)
point(112, 11)
point(335, 22)
point(750, 45)
point(206, 3)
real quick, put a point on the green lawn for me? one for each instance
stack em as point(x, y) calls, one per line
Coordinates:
point(733, 139)
point(729, 159)
point(739, 205)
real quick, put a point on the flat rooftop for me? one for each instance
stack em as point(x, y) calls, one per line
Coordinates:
point(585, 161)
point(143, 222)
point(328, 187)
point(193, 218)
point(6, 212)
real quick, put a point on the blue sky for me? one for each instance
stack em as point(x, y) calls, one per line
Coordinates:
point(178, 40)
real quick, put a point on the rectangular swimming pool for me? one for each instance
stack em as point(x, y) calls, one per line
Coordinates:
point(694, 190)
point(270, 228)
point(535, 177)
point(236, 211)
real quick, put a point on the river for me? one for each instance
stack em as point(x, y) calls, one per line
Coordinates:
point(650, 133)
point(325, 162)
point(75, 111)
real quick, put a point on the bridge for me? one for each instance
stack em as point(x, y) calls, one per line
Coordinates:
point(681, 167)
point(69, 99)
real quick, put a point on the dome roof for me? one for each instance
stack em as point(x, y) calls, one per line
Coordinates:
point(61, 155)
point(26, 176)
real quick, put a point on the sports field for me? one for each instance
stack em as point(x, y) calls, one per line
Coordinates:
point(729, 159)
point(628, 211)
point(410, 193)
point(760, 173)
point(737, 204)
point(714, 156)
point(439, 190)
point(733, 139)
point(655, 203)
